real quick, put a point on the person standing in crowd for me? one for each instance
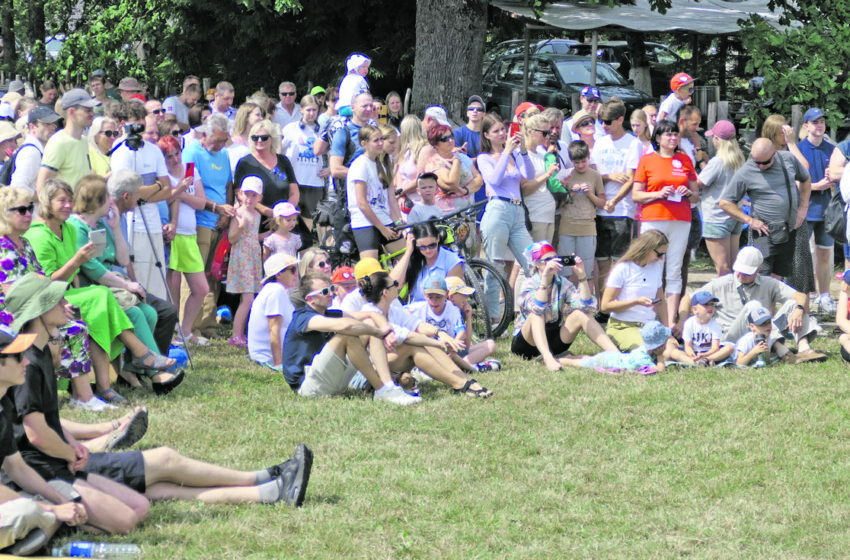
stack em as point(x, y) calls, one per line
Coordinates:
point(297, 141)
point(591, 100)
point(222, 103)
point(128, 88)
point(49, 93)
point(179, 105)
point(468, 136)
point(651, 112)
point(395, 109)
point(244, 277)
point(817, 152)
point(538, 199)
point(42, 125)
point(102, 135)
point(66, 153)
point(778, 209)
point(287, 110)
point(721, 232)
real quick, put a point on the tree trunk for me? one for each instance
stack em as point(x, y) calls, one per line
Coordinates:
point(450, 37)
point(35, 32)
point(639, 72)
point(7, 23)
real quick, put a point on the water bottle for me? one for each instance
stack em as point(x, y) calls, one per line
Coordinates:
point(114, 551)
point(762, 356)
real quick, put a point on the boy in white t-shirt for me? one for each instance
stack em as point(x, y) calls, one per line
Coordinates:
point(754, 347)
point(702, 333)
point(680, 85)
point(426, 186)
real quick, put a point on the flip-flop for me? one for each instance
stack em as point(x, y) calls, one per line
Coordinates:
point(160, 362)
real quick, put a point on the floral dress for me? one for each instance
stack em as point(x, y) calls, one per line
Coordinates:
point(245, 271)
point(14, 263)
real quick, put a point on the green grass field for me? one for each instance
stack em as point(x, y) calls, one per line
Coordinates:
point(692, 463)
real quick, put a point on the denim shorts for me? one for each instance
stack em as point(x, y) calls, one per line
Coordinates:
point(722, 230)
point(822, 238)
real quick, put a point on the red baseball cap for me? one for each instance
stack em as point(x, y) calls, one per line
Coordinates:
point(525, 106)
point(679, 80)
point(343, 275)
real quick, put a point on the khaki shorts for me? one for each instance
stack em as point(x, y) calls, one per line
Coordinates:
point(20, 516)
point(624, 334)
point(327, 375)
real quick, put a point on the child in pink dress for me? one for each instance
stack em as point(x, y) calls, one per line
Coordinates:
point(245, 272)
point(282, 240)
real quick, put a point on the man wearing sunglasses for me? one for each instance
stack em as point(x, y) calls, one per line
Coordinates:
point(681, 86)
point(27, 160)
point(591, 101)
point(288, 110)
point(154, 107)
point(778, 206)
point(470, 134)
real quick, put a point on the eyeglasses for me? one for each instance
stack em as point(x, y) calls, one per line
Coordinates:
point(110, 133)
point(322, 264)
point(658, 253)
point(326, 291)
point(594, 100)
point(158, 112)
point(286, 93)
point(176, 132)
point(428, 247)
point(475, 109)
point(541, 131)
point(23, 210)
point(766, 162)
point(260, 137)
point(446, 138)
point(607, 122)
point(585, 123)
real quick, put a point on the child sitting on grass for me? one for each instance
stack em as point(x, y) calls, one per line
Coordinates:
point(476, 353)
point(426, 186)
point(702, 334)
point(646, 359)
point(754, 347)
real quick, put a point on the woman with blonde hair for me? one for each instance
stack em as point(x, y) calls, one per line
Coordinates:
point(395, 109)
point(414, 151)
point(721, 232)
point(314, 261)
point(777, 130)
point(247, 116)
point(539, 201)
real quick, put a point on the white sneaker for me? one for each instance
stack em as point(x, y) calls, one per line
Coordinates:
point(420, 376)
point(396, 395)
point(94, 404)
point(825, 305)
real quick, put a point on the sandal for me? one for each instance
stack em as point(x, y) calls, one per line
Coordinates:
point(112, 397)
point(159, 361)
point(239, 341)
point(165, 387)
point(197, 340)
point(467, 390)
point(132, 432)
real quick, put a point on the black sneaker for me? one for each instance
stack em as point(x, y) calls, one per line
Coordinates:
point(296, 475)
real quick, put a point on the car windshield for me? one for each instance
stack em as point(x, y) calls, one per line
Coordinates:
point(578, 72)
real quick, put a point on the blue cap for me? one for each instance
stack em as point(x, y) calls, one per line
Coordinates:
point(654, 334)
point(702, 298)
point(760, 316)
point(846, 277)
point(812, 114)
point(435, 284)
point(591, 92)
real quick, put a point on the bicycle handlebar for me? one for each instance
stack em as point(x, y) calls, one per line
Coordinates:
point(447, 217)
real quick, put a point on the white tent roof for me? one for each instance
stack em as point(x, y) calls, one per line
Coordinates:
point(710, 17)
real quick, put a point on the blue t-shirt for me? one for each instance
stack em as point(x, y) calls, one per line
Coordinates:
point(214, 170)
point(446, 260)
point(340, 141)
point(300, 346)
point(818, 158)
point(472, 139)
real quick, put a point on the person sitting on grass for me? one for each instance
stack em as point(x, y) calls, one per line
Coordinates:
point(753, 348)
point(648, 358)
point(476, 353)
point(702, 334)
point(272, 310)
point(842, 317)
point(51, 447)
point(426, 186)
point(322, 348)
point(553, 311)
point(344, 283)
point(444, 315)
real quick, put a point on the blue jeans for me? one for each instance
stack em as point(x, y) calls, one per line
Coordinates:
point(503, 226)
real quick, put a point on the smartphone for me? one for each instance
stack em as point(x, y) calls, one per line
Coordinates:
point(190, 169)
point(98, 237)
point(514, 129)
point(568, 260)
point(656, 300)
point(75, 310)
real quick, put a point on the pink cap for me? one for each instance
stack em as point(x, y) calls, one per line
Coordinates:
point(722, 129)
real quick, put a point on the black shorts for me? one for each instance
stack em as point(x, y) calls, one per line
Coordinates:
point(521, 347)
point(309, 199)
point(695, 235)
point(778, 259)
point(127, 468)
point(613, 237)
point(368, 238)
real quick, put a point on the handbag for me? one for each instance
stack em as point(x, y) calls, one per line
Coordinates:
point(835, 218)
point(780, 232)
point(221, 259)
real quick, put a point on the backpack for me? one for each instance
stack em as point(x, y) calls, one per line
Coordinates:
point(835, 218)
point(9, 166)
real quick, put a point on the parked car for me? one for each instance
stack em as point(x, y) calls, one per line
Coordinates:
point(517, 46)
point(552, 79)
point(664, 63)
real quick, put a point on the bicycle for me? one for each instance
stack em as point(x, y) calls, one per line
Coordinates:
point(461, 236)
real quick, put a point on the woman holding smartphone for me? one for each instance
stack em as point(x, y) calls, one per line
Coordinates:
point(552, 311)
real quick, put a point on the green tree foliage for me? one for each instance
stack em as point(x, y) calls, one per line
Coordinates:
point(804, 63)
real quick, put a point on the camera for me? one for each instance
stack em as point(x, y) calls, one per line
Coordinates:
point(134, 138)
point(568, 260)
point(75, 311)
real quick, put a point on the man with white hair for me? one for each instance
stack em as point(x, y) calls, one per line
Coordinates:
point(745, 289)
point(288, 111)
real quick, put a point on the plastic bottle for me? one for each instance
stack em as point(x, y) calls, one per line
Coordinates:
point(763, 355)
point(112, 551)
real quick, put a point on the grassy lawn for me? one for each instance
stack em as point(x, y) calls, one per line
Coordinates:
point(700, 463)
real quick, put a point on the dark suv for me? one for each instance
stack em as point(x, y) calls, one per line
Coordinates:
point(552, 79)
point(663, 62)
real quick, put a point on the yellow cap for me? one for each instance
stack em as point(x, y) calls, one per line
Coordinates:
point(366, 267)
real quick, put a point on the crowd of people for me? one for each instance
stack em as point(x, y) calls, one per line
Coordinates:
point(136, 206)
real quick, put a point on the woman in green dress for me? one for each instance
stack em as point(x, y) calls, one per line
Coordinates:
point(55, 244)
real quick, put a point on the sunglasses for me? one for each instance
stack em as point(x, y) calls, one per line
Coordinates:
point(23, 210)
point(475, 109)
point(286, 93)
point(393, 285)
point(607, 122)
point(766, 162)
point(260, 137)
point(429, 247)
point(158, 112)
point(322, 264)
point(176, 132)
point(541, 131)
point(110, 133)
point(585, 123)
point(594, 100)
point(17, 356)
point(326, 291)
point(550, 259)
point(446, 138)
point(658, 253)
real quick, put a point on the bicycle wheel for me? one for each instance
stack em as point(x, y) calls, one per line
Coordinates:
point(498, 294)
point(481, 327)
